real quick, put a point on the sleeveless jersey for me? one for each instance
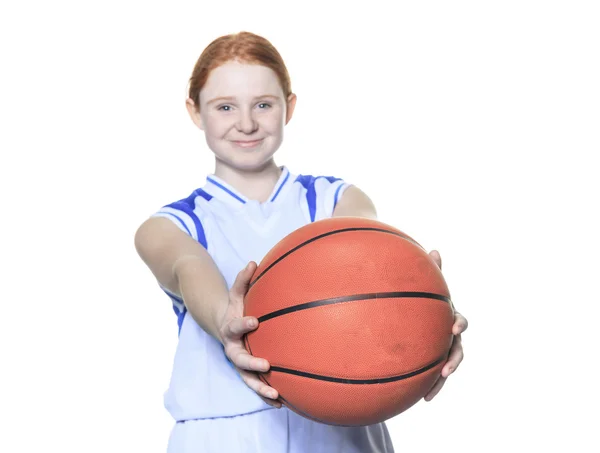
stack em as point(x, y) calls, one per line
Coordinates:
point(234, 230)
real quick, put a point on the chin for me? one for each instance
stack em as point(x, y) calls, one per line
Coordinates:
point(247, 162)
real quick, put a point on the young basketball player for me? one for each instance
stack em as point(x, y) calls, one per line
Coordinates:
point(203, 249)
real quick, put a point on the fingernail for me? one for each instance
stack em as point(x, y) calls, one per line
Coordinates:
point(272, 395)
point(252, 323)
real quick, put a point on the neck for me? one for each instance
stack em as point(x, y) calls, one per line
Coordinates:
point(255, 184)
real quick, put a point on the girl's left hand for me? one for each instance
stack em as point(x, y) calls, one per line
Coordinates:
point(456, 352)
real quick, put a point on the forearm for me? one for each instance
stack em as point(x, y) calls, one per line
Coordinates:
point(204, 292)
point(184, 267)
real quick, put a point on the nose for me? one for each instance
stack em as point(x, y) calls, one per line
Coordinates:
point(246, 122)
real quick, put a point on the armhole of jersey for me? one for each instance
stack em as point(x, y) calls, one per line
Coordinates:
point(322, 195)
point(178, 306)
point(183, 214)
point(332, 195)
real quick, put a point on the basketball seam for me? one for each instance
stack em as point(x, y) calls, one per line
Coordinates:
point(329, 233)
point(359, 381)
point(263, 378)
point(353, 298)
point(340, 380)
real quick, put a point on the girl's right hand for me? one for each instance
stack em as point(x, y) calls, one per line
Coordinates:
point(232, 328)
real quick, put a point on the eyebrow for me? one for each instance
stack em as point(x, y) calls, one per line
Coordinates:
point(230, 98)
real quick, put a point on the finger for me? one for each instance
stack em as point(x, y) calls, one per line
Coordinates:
point(456, 356)
point(243, 360)
point(435, 389)
point(238, 327)
point(263, 390)
point(436, 257)
point(242, 281)
point(270, 402)
point(460, 324)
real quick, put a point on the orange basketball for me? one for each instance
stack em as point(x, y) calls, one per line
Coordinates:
point(355, 319)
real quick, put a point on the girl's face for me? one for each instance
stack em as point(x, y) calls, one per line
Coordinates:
point(242, 113)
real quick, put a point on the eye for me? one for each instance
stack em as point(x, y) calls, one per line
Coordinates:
point(264, 105)
point(225, 108)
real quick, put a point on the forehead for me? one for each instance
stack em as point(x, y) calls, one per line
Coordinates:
point(241, 80)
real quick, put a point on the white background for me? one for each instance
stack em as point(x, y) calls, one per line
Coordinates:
point(473, 125)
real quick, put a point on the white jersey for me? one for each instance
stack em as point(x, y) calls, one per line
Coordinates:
point(234, 230)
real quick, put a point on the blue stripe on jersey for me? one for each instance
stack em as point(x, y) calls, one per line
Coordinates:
point(337, 192)
point(203, 194)
point(308, 182)
point(180, 313)
point(187, 205)
point(311, 194)
point(201, 235)
point(173, 296)
point(225, 189)
point(281, 186)
point(180, 318)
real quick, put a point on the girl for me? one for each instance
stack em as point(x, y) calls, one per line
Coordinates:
point(203, 249)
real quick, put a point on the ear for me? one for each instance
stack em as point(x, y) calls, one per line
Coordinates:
point(291, 105)
point(194, 113)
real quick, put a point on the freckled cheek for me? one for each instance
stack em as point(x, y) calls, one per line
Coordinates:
point(218, 127)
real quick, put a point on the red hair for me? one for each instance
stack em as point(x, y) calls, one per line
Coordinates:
point(245, 47)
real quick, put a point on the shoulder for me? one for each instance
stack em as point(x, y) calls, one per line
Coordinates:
point(307, 180)
point(189, 214)
point(321, 194)
point(192, 202)
point(356, 203)
point(323, 185)
point(340, 197)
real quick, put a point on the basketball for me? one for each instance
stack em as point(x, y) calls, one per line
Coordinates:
point(355, 319)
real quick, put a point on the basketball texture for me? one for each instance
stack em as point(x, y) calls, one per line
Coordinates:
point(355, 319)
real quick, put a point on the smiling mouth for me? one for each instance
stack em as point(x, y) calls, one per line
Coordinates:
point(247, 144)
